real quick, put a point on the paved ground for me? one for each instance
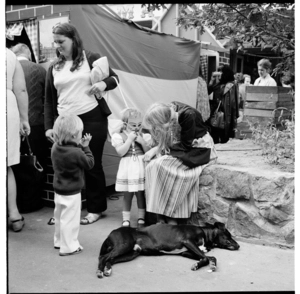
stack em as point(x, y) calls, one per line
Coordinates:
point(34, 266)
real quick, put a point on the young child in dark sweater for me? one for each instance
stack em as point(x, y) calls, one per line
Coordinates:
point(70, 155)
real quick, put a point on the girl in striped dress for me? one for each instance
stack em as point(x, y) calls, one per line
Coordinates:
point(131, 145)
point(183, 148)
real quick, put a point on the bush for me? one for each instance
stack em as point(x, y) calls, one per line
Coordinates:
point(278, 143)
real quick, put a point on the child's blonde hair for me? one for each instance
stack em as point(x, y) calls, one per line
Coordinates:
point(129, 112)
point(158, 119)
point(66, 127)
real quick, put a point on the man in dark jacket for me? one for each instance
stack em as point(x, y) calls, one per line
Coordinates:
point(35, 76)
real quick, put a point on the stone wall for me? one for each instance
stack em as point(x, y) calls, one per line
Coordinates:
point(254, 200)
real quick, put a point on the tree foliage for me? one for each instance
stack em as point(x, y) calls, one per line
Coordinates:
point(262, 24)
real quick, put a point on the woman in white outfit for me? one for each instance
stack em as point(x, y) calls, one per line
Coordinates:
point(17, 123)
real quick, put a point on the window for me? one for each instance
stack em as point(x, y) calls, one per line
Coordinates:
point(239, 64)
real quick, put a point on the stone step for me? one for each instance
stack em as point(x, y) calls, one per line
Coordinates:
point(253, 198)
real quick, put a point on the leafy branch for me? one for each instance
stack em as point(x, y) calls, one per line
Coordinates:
point(262, 24)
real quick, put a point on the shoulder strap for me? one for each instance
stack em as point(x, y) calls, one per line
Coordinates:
point(118, 85)
point(218, 107)
point(29, 148)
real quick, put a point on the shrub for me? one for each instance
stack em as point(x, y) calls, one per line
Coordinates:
point(277, 142)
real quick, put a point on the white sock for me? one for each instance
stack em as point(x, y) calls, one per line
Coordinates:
point(141, 214)
point(126, 215)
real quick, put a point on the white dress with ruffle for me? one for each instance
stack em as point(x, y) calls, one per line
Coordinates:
point(131, 172)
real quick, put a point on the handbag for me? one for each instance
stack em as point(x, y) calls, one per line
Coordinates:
point(99, 72)
point(30, 180)
point(30, 159)
point(217, 119)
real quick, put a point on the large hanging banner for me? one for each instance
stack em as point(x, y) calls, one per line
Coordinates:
point(151, 66)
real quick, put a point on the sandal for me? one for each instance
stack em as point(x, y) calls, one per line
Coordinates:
point(51, 221)
point(141, 224)
point(124, 223)
point(79, 250)
point(89, 219)
point(18, 224)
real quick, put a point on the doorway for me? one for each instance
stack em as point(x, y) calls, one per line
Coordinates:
point(211, 66)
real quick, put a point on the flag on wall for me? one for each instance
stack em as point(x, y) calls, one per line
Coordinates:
point(151, 66)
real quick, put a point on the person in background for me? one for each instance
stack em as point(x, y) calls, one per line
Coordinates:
point(70, 155)
point(69, 88)
point(35, 76)
point(202, 103)
point(17, 124)
point(226, 93)
point(286, 81)
point(242, 90)
point(182, 147)
point(264, 68)
point(247, 80)
point(131, 145)
point(239, 78)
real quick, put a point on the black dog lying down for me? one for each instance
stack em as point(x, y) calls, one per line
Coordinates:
point(125, 244)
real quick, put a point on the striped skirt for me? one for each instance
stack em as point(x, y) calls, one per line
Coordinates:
point(171, 187)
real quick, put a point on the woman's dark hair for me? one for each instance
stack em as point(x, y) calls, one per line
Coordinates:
point(227, 74)
point(69, 31)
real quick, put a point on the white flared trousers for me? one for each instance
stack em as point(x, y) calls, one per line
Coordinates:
point(67, 222)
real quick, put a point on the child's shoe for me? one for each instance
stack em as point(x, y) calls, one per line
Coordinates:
point(126, 223)
point(141, 223)
point(79, 250)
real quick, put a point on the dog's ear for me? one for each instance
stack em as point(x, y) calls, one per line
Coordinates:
point(219, 225)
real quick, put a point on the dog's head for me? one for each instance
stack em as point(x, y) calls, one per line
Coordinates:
point(221, 237)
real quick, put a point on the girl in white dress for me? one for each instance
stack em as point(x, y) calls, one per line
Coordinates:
point(131, 145)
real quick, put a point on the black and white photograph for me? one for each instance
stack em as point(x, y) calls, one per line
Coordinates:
point(149, 147)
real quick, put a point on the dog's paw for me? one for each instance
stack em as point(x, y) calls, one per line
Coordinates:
point(195, 266)
point(100, 274)
point(212, 264)
point(107, 271)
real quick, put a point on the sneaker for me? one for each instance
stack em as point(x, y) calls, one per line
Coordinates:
point(79, 250)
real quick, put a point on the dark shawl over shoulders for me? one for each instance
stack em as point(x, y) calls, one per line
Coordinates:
point(192, 127)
